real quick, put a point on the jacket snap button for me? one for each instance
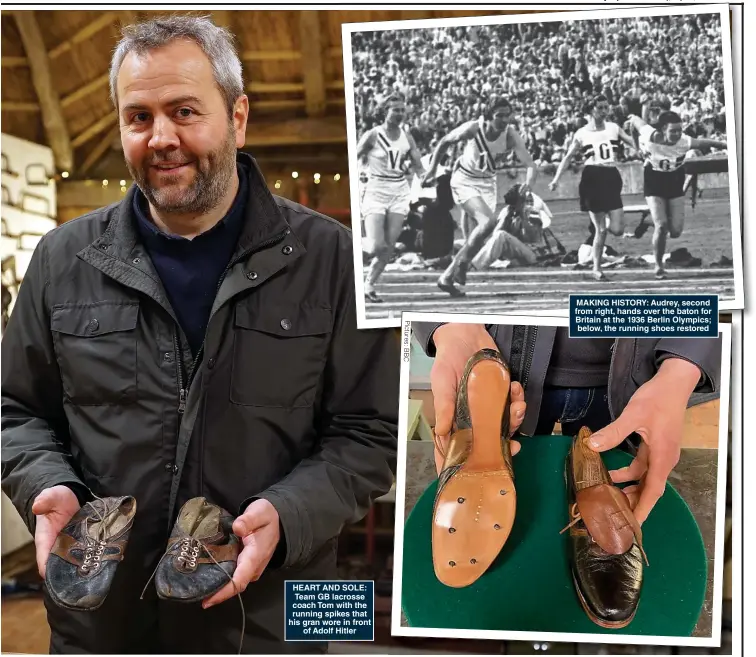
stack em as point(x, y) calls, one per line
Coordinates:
point(211, 363)
point(287, 250)
point(175, 469)
point(285, 324)
point(93, 325)
point(251, 275)
point(168, 356)
point(169, 467)
point(136, 261)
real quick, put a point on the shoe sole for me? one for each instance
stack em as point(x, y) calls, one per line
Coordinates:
point(483, 520)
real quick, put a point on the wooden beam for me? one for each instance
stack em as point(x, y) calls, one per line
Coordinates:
point(95, 129)
point(288, 87)
point(14, 62)
point(85, 33)
point(19, 106)
point(270, 55)
point(49, 102)
point(283, 55)
point(312, 56)
point(325, 130)
point(85, 90)
point(99, 150)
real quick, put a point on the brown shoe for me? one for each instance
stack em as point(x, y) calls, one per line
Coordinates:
point(606, 544)
point(201, 554)
point(475, 502)
point(87, 551)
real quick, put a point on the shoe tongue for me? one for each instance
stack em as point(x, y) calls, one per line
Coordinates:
point(105, 520)
point(200, 519)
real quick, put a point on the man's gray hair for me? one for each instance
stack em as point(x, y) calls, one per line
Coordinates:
point(216, 42)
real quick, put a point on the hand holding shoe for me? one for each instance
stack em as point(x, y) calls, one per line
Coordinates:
point(455, 345)
point(656, 412)
point(54, 508)
point(258, 529)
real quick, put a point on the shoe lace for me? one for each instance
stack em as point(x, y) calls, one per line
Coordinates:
point(577, 517)
point(95, 547)
point(190, 549)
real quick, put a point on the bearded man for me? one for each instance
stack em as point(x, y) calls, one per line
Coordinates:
point(197, 339)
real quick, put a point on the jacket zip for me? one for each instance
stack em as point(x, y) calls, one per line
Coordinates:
point(528, 359)
point(180, 372)
point(609, 384)
point(182, 389)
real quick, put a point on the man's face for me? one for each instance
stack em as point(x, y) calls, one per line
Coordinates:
point(178, 139)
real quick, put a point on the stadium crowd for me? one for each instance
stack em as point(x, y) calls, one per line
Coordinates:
point(547, 71)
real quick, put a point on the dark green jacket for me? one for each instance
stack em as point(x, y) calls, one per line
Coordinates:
point(287, 401)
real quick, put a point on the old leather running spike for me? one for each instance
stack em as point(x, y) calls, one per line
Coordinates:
point(87, 551)
point(606, 542)
point(201, 554)
point(474, 509)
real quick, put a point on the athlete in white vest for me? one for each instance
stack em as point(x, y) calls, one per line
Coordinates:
point(488, 142)
point(665, 148)
point(600, 183)
point(385, 200)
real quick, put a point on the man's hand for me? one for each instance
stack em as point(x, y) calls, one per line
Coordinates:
point(455, 344)
point(259, 532)
point(657, 413)
point(54, 507)
point(553, 184)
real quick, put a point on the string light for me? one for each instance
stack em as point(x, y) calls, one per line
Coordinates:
point(123, 189)
point(64, 174)
point(294, 174)
point(337, 177)
point(104, 183)
point(123, 183)
point(278, 184)
point(317, 178)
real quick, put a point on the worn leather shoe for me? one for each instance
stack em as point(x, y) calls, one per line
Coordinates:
point(87, 551)
point(201, 555)
point(475, 503)
point(606, 543)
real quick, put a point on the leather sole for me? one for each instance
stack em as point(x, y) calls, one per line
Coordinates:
point(475, 511)
point(606, 624)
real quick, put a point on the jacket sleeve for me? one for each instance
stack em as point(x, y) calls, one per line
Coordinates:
point(704, 352)
point(34, 428)
point(424, 335)
point(356, 459)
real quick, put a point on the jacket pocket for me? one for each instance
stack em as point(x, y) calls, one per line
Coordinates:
point(96, 347)
point(279, 355)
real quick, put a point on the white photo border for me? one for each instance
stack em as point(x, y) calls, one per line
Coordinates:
point(397, 629)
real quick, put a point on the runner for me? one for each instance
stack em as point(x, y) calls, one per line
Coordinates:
point(488, 142)
point(665, 147)
point(601, 183)
point(385, 201)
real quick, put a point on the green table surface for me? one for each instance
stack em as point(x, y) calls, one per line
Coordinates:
point(529, 587)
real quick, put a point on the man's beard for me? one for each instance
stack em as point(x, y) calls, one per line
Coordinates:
point(213, 175)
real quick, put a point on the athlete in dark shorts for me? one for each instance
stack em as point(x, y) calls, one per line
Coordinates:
point(601, 183)
point(665, 148)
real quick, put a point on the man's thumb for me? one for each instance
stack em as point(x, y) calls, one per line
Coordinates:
point(249, 521)
point(444, 416)
point(611, 435)
point(44, 503)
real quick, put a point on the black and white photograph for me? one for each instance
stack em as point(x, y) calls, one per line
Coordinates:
point(500, 164)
